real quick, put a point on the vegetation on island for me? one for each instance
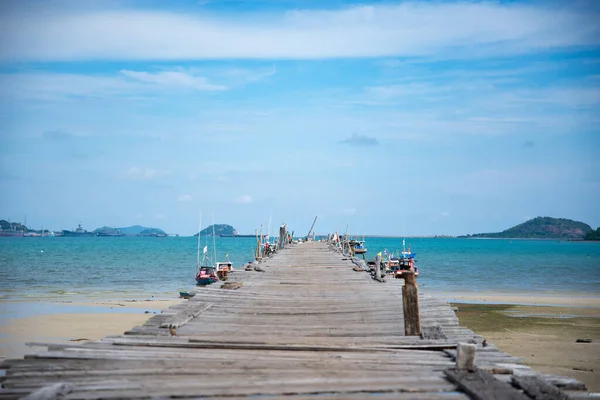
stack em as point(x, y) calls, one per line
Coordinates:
point(134, 229)
point(13, 226)
point(542, 228)
point(593, 235)
point(152, 232)
point(107, 230)
point(219, 229)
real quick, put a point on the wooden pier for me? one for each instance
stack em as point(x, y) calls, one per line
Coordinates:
point(306, 325)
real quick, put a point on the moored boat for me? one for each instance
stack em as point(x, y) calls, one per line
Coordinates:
point(404, 263)
point(358, 246)
point(79, 232)
point(223, 268)
point(206, 275)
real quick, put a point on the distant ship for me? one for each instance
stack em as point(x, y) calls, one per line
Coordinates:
point(236, 235)
point(240, 236)
point(110, 233)
point(79, 232)
point(107, 231)
point(11, 233)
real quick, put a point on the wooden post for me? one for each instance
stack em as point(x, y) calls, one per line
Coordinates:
point(257, 252)
point(282, 237)
point(410, 300)
point(465, 356)
point(378, 267)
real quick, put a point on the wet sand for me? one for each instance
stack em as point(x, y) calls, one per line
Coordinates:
point(65, 322)
point(544, 336)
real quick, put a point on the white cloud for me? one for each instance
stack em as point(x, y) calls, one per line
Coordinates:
point(244, 199)
point(145, 173)
point(52, 86)
point(444, 214)
point(185, 198)
point(404, 29)
point(349, 211)
point(161, 217)
point(174, 79)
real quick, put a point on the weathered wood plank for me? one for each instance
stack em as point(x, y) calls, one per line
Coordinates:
point(538, 389)
point(481, 385)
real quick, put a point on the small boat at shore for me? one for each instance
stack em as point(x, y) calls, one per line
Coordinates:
point(358, 246)
point(397, 266)
point(224, 268)
point(205, 274)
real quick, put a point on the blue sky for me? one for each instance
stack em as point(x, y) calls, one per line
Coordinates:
point(391, 117)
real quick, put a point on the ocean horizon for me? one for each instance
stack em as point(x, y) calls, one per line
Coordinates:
point(68, 268)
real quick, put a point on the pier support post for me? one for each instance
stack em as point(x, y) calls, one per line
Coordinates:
point(378, 267)
point(282, 237)
point(410, 300)
point(465, 356)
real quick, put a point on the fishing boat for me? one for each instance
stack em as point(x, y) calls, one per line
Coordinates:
point(358, 246)
point(404, 263)
point(205, 274)
point(224, 267)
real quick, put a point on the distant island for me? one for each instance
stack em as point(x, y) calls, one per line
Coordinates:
point(141, 231)
point(8, 228)
point(542, 228)
point(593, 235)
point(219, 230)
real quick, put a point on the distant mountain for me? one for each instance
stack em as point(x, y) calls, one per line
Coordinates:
point(220, 229)
point(137, 229)
point(542, 228)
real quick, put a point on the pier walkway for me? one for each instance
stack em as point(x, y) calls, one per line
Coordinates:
point(306, 325)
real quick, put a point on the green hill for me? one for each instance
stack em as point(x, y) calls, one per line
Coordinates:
point(137, 229)
point(12, 226)
point(542, 228)
point(593, 235)
point(152, 232)
point(220, 229)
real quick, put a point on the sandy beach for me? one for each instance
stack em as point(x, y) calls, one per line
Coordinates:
point(64, 322)
point(531, 327)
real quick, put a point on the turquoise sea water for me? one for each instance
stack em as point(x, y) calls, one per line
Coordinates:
point(61, 268)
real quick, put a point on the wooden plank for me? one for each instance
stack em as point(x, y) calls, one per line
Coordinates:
point(538, 389)
point(50, 392)
point(433, 332)
point(481, 385)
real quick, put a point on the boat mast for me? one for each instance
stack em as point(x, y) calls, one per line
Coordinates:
point(199, 230)
point(214, 245)
point(269, 230)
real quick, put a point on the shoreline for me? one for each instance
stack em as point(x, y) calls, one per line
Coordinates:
point(47, 321)
point(569, 299)
point(542, 329)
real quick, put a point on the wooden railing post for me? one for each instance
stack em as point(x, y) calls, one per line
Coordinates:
point(378, 267)
point(410, 300)
point(282, 236)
